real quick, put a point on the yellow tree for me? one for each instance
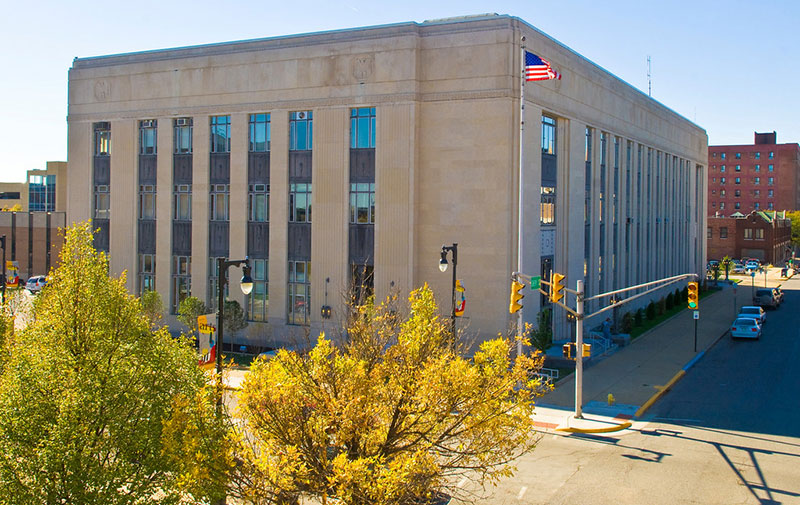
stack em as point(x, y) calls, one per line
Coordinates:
point(96, 407)
point(391, 415)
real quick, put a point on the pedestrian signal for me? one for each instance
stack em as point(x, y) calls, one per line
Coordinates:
point(556, 287)
point(587, 350)
point(516, 296)
point(693, 295)
point(568, 350)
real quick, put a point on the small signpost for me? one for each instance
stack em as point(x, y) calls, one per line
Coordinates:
point(696, 314)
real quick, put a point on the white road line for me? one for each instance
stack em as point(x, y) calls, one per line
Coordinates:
point(462, 482)
point(522, 492)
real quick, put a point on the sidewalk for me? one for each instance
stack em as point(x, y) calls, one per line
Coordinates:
point(637, 372)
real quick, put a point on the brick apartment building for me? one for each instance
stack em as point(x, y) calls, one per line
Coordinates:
point(763, 235)
point(761, 176)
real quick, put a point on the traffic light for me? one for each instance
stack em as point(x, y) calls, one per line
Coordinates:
point(567, 350)
point(556, 287)
point(587, 350)
point(693, 296)
point(516, 296)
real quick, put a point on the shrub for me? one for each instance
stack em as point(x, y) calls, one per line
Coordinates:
point(670, 301)
point(639, 317)
point(541, 337)
point(650, 311)
point(627, 322)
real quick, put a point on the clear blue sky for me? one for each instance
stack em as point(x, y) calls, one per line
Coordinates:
point(728, 65)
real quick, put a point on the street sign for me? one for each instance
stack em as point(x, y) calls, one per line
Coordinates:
point(696, 314)
point(753, 273)
point(535, 282)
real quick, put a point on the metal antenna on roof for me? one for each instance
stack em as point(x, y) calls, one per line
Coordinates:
point(649, 86)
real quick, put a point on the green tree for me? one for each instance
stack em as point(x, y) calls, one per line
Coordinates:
point(152, 307)
point(234, 316)
point(794, 215)
point(93, 401)
point(189, 309)
point(541, 337)
point(726, 265)
point(392, 415)
point(650, 311)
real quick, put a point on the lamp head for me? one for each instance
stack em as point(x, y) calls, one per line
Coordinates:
point(443, 261)
point(247, 281)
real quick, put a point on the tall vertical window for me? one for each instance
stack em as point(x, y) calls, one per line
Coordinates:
point(182, 202)
point(259, 135)
point(102, 201)
point(362, 127)
point(299, 292)
point(362, 203)
point(102, 139)
point(259, 298)
point(758, 156)
point(771, 155)
point(147, 201)
point(301, 131)
point(42, 193)
point(770, 193)
point(147, 136)
point(547, 211)
point(183, 135)
point(219, 202)
point(181, 280)
point(548, 135)
point(758, 168)
point(213, 283)
point(300, 202)
point(771, 168)
point(770, 181)
point(220, 134)
point(258, 203)
point(147, 273)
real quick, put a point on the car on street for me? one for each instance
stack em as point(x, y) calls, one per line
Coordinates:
point(36, 283)
point(745, 327)
point(753, 312)
point(737, 267)
point(751, 266)
point(267, 355)
point(779, 293)
point(766, 297)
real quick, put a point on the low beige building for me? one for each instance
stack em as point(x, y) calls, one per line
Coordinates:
point(401, 138)
point(43, 190)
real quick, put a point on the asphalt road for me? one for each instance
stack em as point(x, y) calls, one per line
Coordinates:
point(727, 433)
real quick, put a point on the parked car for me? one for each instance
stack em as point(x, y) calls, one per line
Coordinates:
point(754, 313)
point(779, 293)
point(766, 297)
point(737, 267)
point(745, 327)
point(752, 266)
point(267, 355)
point(36, 283)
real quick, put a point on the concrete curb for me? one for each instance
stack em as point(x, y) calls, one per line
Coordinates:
point(609, 429)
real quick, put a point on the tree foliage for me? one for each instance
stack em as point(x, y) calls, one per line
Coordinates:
point(234, 316)
point(152, 307)
point(392, 415)
point(541, 337)
point(794, 216)
point(188, 311)
point(94, 404)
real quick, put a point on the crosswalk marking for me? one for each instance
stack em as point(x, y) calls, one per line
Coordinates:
point(522, 492)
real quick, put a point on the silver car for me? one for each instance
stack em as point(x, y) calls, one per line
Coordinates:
point(754, 313)
point(745, 327)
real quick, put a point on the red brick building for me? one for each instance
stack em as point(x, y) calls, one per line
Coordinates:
point(761, 176)
point(763, 235)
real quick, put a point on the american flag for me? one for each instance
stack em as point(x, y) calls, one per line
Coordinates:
point(538, 69)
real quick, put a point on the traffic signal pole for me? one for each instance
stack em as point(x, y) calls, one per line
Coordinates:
point(579, 350)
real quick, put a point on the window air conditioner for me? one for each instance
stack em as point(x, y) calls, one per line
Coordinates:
point(148, 123)
point(301, 115)
point(181, 121)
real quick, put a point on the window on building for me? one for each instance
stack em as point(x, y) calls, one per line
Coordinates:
point(299, 292)
point(757, 181)
point(213, 283)
point(721, 205)
point(738, 168)
point(770, 205)
point(259, 134)
point(770, 181)
point(758, 168)
point(722, 192)
point(41, 193)
point(147, 136)
point(258, 203)
point(300, 202)
point(723, 232)
point(147, 273)
point(219, 202)
point(748, 234)
point(102, 202)
point(362, 203)
point(737, 180)
point(758, 156)
point(738, 192)
point(181, 280)
point(548, 135)
point(362, 283)
point(771, 168)
point(183, 135)
point(737, 205)
point(713, 179)
point(722, 180)
point(771, 155)
point(709, 232)
point(220, 134)
point(362, 127)
point(770, 193)
point(713, 155)
point(713, 191)
point(756, 193)
point(547, 212)
point(759, 233)
point(102, 139)
point(714, 204)
point(182, 198)
point(738, 156)
point(258, 301)
point(756, 205)
point(722, 156)
point(722, 168)
point(301, 131)
point(147, 201)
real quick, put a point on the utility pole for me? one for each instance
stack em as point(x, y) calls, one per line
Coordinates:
point(579, 350)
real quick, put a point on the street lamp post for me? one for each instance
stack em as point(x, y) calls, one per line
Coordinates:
point(443, 267)
point(247, 287)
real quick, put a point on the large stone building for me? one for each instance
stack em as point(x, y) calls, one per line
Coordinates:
point(764, 175)
point(406, 138)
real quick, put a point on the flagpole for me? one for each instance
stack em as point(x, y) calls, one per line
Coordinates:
point(520, 227)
